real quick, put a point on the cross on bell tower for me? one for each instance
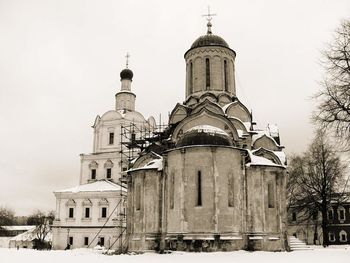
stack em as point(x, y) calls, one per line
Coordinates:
point(209, 17)
point(127, 59)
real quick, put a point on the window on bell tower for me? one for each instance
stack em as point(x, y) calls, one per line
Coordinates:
point(207, 73)
point(111, 138)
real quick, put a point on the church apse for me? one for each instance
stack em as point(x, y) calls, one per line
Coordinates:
point(217, 184)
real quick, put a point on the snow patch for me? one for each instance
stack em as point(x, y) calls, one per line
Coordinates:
point(98, 186)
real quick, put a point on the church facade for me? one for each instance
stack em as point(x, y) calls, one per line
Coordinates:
point(93, 213)
point(212, 181)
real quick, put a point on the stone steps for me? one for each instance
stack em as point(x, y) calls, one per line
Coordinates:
point(297, 244)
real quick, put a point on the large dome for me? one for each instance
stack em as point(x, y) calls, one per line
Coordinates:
point(204, 135)
point(209, 40)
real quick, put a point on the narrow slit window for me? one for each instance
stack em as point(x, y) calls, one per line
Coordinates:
point(191, 78)
point(207, 72)
point(225, 75)
point(230, 191)
point(271, 195)
point(138, 197)
point(111, 138)
point(172, 190)
point(199, 188)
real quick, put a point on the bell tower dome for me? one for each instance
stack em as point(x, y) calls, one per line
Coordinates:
point(210, 66)
point(125, 98)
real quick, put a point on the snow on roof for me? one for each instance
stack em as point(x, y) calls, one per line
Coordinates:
point(153, 164)
point(207, 129)
point(261, 133)
point(97, 186)
point(258, 160)
point(30, 235)
point(17, 228)
point(282, 156)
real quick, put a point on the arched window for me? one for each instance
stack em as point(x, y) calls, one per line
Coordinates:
point(225, 76)
point(93, 167)
point(341, 213)
point(343, 236)
point(331, 237)
point(207, 73)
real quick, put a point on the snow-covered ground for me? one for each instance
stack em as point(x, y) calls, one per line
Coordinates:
point(318, 255)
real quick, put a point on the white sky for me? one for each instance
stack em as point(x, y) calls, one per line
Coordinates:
point(60, 63)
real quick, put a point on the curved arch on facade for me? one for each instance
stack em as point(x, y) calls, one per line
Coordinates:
point(207, 96)
point(108, 164)
point(266, 142)
point(210, 106)
point(87, 202)
point(152, 123)
point(191, 100)
point(144, 159)
point(103, 201)
point(224, 99)
point(134, 116)
point(70, 202)
point(238, 110)
point(178, 114)
point(268, 155)
point(111, 115)
point(239, 125)
point(205, 117)
point(93, 165)
point(97, 121)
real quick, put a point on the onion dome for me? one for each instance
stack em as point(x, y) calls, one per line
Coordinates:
point(209, 40)
point(126, 74)
point(204, 135)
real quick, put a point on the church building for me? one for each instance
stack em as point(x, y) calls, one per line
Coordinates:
point(93, 213)
point(212, 181)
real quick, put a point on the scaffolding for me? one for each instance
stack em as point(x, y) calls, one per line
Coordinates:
point(134, 138)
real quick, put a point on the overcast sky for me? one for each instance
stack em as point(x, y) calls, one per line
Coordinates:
point(60, 63)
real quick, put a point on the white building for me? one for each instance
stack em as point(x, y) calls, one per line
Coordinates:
point(94, 212)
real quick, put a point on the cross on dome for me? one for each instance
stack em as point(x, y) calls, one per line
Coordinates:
point(209, 17)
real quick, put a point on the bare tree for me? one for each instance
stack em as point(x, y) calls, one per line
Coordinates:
point(316, 179)
point(43, 223)
point(7, 217)
point(333, 110)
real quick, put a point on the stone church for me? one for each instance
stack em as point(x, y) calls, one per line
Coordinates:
point(211, 181)
point(92, 213)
